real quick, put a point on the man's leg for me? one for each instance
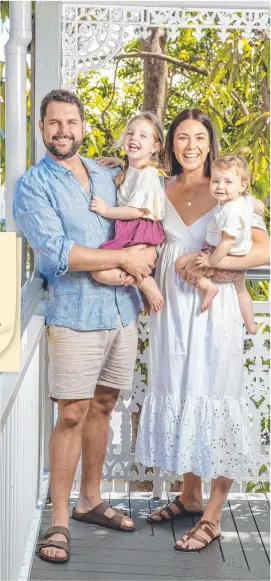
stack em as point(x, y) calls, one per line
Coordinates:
point(65, 447)
point(94, 443)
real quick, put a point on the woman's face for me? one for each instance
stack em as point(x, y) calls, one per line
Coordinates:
point(191, 144)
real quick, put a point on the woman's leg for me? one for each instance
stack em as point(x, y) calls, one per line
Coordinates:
point(219, 491)
point(190, 497)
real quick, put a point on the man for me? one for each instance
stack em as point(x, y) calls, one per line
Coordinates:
point(92, 328)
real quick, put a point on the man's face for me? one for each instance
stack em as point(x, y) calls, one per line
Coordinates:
point(62, 130)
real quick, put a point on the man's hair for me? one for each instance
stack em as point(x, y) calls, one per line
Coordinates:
point(236, 162)
point(61, 96)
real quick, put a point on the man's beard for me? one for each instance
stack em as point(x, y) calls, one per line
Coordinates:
point(53, 148)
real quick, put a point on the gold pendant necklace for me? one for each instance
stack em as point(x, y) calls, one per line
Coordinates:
point(189, 202)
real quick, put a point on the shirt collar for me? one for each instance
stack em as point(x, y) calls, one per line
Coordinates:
point(58, 167)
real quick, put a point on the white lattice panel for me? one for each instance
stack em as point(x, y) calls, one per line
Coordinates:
point(92, 36)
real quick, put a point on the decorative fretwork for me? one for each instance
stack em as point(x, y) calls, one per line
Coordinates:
point(92, 36)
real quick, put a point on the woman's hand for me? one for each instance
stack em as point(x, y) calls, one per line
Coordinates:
point(191, 272)
point(110, 161)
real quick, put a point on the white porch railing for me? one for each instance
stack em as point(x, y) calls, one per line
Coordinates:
point(24, 444)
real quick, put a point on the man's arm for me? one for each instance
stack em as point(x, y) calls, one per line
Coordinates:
point(55, 253)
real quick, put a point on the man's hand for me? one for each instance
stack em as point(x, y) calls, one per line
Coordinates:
point(139, 261)
point(127, 279)
point(98, 205)
point(203, 260)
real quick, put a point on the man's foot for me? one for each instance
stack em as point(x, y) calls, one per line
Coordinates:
point(104, 515)
point(57, 552)
point(199, 537)
point(252, 328)
point(209, 296)
point(174, 509)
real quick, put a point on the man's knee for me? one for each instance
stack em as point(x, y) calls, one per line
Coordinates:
point(72, 413)
point(104, 400)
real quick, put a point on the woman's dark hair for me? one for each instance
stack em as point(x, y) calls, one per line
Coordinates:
point(171, 162)
point(62, 96)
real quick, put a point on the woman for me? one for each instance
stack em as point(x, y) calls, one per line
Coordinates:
point(194, 418)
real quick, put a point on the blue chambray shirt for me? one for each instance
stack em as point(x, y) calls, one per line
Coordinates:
point(52, 210)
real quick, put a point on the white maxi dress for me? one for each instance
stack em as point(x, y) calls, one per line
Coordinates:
point(194, 416)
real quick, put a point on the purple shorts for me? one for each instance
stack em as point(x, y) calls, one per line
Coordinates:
point(222, 275)
point(132, 232)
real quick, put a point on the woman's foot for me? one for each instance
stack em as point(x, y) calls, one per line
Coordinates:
point(210, 294)
point(176, 507)
point(199, 536)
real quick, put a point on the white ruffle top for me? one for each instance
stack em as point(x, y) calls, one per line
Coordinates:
point(234, 218)
point(142, 189)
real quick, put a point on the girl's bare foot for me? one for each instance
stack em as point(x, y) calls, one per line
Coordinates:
point(152, 293)
point(210, 294)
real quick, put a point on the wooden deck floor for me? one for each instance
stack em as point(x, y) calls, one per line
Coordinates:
point(148, 554)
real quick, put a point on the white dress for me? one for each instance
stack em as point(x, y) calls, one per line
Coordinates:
point(194, 416)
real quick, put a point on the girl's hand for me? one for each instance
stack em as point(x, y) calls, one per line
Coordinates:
point(110, 161)
point(98, 205)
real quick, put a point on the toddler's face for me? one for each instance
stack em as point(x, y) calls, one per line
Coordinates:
point(139, 142)
point(226, 185)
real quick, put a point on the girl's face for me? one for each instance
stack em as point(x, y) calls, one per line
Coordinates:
point(226, 185)
point(191, 144)
point(139, 142)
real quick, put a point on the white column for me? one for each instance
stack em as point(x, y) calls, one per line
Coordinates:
point(48, 58)
point(15, 64)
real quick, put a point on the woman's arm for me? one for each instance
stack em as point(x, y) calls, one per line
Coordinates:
point(259, 255)
point(221, 251)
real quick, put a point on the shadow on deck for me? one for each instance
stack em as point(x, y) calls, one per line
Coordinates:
point(242, 552)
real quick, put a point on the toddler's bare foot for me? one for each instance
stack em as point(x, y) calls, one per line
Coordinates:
point(252, 328)
point(210, 294)
point(156, 304)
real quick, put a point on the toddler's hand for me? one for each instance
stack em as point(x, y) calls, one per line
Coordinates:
point(202, 260)
point(98, 205)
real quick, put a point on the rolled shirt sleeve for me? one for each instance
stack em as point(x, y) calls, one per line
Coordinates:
point(42, 227)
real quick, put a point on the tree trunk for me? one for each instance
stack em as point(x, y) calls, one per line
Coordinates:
point(155, 74)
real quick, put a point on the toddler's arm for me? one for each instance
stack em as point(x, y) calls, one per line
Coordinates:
point(259, 207)
point(222, 249)
point(119, 213)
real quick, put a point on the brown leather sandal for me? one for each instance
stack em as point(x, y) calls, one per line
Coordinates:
point(173, 515)
point(97, 516)
point(47, 542)
point(207, 527)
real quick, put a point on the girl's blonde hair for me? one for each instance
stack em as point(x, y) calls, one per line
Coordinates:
point(236, 162)
point(156, 159)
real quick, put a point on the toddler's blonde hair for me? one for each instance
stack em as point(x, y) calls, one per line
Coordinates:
point(156, 159)
point(238, 163)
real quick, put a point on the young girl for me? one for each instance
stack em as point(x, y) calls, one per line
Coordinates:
point(229, 231)
point(140, 199)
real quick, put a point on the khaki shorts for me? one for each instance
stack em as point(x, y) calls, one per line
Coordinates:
point(80, 360)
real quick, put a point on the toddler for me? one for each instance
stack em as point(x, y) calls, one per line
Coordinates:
point(229, 231)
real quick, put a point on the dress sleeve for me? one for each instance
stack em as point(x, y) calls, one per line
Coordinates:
point(258, 222)
point(148, 194)
point(229, 221)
